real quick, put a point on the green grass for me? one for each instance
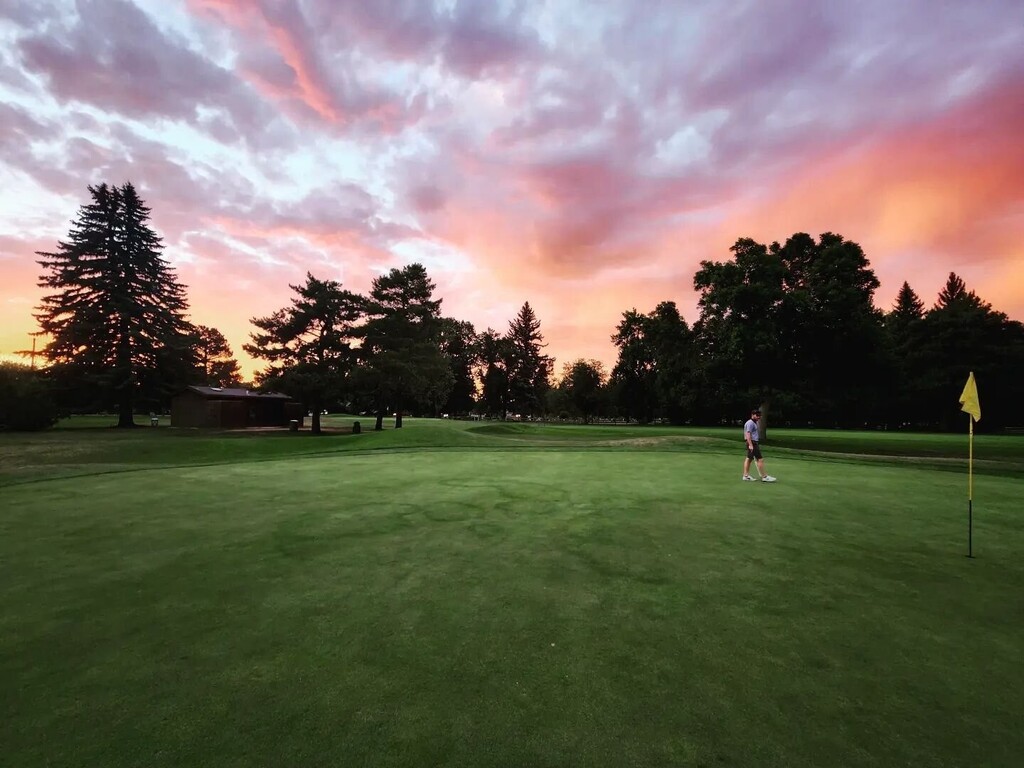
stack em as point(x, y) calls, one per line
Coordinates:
point(485, 595)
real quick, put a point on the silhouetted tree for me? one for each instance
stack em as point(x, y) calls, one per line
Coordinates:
point(632, 379)
point(529, 370)
point(401, 352)
point(25, 400)
point(673, 344)
point(963, 333)
point(656, 372)
point(495, 352)
point(793, 326)
point(831, 335)
point(309, 344)
point(458, 343)
point(740, 329)
point(217, 366)
point(904, 327)
point(908, 310)
point(583, 382)
point(116, 316)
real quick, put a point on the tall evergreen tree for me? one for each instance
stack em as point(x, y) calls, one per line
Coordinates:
point(401, 349)
point(960, 334)
point(954, 294)
point(529, 370)
point(904, 328)
point(309, 344)
point(907, 310)
point(116, 314)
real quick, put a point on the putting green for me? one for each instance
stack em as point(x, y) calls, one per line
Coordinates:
point(511, 607)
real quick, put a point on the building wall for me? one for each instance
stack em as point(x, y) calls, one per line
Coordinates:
point(191, 409)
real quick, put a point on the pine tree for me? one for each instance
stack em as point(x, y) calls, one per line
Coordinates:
point(309, 344)
point(960, 334)
point(954, 296)
point(904, 326)
point(529, 371)
point(402, 344)
point(116, 318)
point(907, 309)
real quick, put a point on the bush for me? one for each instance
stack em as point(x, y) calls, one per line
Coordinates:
point(25, 401)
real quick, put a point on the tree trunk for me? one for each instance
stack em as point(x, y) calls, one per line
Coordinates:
point(762, 426)
point(314, 427)
point(125, 416)
point(380, 420)
point(126, 404)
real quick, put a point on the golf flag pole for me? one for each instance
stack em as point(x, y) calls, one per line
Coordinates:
point(970, 405)
point(970, 486)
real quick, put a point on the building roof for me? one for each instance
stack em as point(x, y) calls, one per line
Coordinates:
point(232, 393)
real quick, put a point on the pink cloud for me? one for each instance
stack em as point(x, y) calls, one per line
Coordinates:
point(113, 57)
point(585, 162)
point(18, 128)
point(471, 39)
point(283, 56)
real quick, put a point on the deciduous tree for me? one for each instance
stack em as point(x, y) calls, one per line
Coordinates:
point(217, 366)
point(493, 370)
point(458, 343)
point(25, 400)
point(632, 378)
point(739, 331)
point(583, 382)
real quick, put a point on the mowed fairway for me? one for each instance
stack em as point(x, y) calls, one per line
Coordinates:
point(533, 597)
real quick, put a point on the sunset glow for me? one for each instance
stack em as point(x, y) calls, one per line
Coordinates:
point(581, 156)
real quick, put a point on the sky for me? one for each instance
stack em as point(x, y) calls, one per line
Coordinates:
point(582, 155)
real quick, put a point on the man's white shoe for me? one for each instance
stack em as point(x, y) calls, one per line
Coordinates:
point(748, 478)
point(767, 479)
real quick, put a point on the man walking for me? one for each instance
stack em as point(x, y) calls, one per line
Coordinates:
point(753, 438)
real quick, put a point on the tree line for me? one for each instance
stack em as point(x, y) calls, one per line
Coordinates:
point(791, 328)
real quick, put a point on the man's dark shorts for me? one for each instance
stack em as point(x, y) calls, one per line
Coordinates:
point(755, 452)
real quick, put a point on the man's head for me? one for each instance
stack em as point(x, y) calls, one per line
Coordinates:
point(755, 414)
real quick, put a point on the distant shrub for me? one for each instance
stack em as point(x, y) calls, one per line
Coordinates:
point(25, 401)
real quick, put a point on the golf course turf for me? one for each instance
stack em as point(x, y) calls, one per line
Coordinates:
point(475, 594)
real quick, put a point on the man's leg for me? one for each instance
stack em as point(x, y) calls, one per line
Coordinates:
point(746, 466)
point(760, 467)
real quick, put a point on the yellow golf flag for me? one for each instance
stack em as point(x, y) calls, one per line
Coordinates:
point(969, 398)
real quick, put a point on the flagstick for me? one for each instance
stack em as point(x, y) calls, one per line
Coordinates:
point(970, 488)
